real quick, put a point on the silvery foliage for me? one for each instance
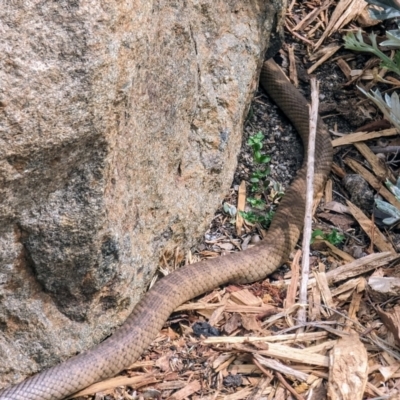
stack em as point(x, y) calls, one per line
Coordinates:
point(388, 9)
point(392, 212)
point(389, 105)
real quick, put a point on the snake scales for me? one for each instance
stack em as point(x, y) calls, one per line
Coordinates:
point(135, 335)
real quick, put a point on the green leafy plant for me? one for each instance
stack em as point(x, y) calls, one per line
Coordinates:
point(259, 183)
point(263, 219)
point(334, 237)
point(258, 178)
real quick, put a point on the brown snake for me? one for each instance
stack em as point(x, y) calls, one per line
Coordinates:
point(142, 326)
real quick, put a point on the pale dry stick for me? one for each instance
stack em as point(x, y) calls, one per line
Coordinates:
point(292, 66)
point(283, 339)
point(262, 369)
point(277, 366)
point(290, 8)
point(280, 377)
point(305, 261)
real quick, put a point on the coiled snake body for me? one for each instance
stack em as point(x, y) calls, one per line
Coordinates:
point(135, 335)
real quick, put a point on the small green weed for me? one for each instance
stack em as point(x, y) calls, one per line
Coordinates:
point(253, 218)
point(257, 203)
point(256, 144)
point(259, 183)
point(333, 237)
point(258, 178)
point(249, 216)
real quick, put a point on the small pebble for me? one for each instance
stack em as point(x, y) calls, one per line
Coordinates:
point(255, 239)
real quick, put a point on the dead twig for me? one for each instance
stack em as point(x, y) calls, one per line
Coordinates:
point(305, 265)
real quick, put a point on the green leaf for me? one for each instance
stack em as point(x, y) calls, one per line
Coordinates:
point(257, 155)
point(264, 158)
point(259, 136)
point(249, 216)
point(335, 237)
point(256, 147)
point(257, 203)
point(317, 234)
point(256, 139)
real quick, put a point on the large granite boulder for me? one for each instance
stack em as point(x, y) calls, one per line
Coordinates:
point(120, 125)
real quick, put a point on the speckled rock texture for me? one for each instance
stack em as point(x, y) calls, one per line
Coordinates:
point(120, 125)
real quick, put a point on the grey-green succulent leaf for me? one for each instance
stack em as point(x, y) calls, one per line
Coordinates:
point(389, 9)
point(393, 40)
point(390, 106)
point(387, 208)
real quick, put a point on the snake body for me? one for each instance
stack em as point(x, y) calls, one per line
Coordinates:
point(127, 344)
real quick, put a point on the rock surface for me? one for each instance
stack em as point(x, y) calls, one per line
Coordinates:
point(120, 124)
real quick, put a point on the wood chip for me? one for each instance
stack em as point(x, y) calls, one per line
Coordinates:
point(188, 390)
point(358, 267)
point(380, 169)
point(287, 353)
point(392, 321)
point(284, 369)
point(376, 183)
point(288, 338)
point(294, 282)
point(373, 232)
point(330, 51)
point(362, 137)
point(245, 297)
point(348, 372)
point(345, 11)
point(322, 284)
